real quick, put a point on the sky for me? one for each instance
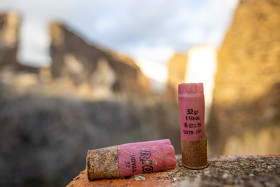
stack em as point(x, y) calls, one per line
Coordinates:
point(150, 31)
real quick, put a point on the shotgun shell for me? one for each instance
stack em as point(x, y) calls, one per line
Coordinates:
point(130, 159)
point(193, 137)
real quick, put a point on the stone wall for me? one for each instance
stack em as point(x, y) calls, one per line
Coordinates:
point(9, 38)
point(246, 105)
point(176, 73)
point(80, 61)
point(9, 44)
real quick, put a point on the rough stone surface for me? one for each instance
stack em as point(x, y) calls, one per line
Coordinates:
point(222, 170)
point(245, 116)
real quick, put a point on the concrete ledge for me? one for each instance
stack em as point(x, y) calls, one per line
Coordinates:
point(251, 170)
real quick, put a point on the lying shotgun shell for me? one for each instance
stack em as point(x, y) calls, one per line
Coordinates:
point(193, 137)
point(130, 159)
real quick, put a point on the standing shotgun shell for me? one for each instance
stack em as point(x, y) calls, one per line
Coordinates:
point(193, 137)
point(130, 159)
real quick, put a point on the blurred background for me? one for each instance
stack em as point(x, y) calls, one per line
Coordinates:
point(79, 75)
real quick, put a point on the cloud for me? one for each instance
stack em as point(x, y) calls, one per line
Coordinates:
point(148, 28)
point(215, 17)
point(158, 53)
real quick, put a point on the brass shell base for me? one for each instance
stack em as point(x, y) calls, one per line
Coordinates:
point(194, 153)
point(103, 163)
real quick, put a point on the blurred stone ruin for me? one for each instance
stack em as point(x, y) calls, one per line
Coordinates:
point(244, 115)
point(88, 98)
point(102, 70)
point(76, 65)
point(91, 97)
